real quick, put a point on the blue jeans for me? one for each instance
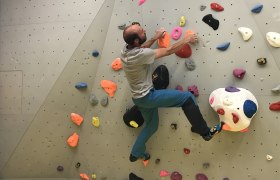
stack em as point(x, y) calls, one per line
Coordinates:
point(149, 104)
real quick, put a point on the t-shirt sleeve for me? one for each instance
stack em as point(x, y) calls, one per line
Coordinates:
point(147, 56)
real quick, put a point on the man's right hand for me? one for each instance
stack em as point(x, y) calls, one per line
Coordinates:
point(191, 38)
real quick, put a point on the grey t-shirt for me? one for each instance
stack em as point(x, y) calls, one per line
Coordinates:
point(138, 66)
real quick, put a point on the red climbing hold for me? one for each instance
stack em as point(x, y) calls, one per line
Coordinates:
point(216, 7)
point(275, 106)
point(176, 176)
point(221, 111)
point(235, 118)
point(185, 51)
point(187, 151)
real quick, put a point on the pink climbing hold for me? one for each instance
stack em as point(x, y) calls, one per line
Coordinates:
point(212, 100)
point(176, 176)
point(140, 2)
point(239, 73)
point(194, 90)
point(163, 173)
point(176, 33)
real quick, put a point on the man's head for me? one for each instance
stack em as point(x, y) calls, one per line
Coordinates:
point(134, 35)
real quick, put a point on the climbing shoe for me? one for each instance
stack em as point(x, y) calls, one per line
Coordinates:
point(213, 131)
point(145, 157)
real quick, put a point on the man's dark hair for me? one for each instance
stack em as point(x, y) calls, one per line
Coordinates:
point(130, 37)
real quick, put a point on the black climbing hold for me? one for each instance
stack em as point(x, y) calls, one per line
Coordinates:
point(81, 85)
point(160, 77)
point(173, 126)
point(132, 176)
point(157, 161)
point(208, 19)
point(133, 117)
point(206, 165)
point(78, 165)
point(95, 53)
point(59, 168)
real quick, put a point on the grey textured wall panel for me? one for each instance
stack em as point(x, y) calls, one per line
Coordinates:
point(54, 113)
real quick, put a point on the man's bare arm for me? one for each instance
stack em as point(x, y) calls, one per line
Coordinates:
point(161, 52)
point(150, 42)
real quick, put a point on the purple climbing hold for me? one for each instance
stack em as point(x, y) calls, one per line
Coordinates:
point(194, 90)
point(201, 176)
point(226, 178)
point(179, 88)
point(232, 89)
point(176, 176)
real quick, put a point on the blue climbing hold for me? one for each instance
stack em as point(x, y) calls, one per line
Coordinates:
point(81, 85)
point(95, 53)
point(257, 8)
point(223, 46)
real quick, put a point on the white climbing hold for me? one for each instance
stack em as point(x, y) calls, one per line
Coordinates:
point(273, 38)
point(269, 157)
point(246, 33)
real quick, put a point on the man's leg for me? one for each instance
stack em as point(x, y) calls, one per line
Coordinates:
point(186, 100)
point(151, 125)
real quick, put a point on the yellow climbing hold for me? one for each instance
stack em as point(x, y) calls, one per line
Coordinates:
point(133, 124)
point(182, 21)
point(93, 176)
point(95, 121)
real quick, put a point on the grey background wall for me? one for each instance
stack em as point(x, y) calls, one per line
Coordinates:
point(46, 49)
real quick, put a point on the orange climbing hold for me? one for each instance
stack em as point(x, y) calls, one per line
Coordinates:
point(84, 176)
point(145, 162)
point(73, 140)
point(109, 86)
point(117, 64)
point(77, 119)
point(164, 41)
point(188, 32)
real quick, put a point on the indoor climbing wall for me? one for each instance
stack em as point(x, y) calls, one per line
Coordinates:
point(42, 151)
